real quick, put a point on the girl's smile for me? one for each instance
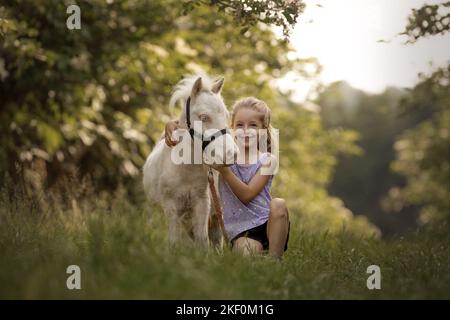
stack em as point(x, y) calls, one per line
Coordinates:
point(246, 124)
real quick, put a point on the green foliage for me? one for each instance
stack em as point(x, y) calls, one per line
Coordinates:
point(248, 13)
point(423, 152)
point(94, 101)
point(428, 20)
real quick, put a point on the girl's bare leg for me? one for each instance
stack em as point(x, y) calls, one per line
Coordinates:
point(277, 227)
point(247, 246)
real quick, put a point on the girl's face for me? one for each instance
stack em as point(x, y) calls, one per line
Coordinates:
point(246, 124)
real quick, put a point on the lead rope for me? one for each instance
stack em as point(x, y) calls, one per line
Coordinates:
point(217, 207)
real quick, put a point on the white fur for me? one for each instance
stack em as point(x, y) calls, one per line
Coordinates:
point(182, 190)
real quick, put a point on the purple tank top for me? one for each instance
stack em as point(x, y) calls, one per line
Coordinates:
point(237, 216)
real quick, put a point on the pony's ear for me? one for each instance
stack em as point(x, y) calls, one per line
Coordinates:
point(217, 86)
point(196, 88)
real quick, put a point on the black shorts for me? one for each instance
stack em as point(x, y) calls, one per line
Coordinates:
point(259, 233)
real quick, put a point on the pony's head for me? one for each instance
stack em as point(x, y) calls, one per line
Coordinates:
point(207, 116)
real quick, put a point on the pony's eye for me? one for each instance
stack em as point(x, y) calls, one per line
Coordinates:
point(204, 118)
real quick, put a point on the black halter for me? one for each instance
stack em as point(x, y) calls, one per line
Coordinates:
point(200, 136)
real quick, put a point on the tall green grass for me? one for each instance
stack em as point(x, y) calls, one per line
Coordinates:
point(123, 254)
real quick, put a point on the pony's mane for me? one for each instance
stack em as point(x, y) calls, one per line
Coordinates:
point(183, 88)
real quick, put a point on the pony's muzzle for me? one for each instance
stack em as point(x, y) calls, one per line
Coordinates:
point(231, 157)
point(231, 151)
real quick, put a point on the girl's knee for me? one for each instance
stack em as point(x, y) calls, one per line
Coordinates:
point(278, 208)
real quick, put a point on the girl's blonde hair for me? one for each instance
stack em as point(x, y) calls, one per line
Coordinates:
point(258, 106)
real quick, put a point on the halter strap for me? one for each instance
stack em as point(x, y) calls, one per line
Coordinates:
point(188, 112)
point(211, 138)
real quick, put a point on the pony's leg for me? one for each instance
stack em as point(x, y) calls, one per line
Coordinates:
point(200, 218)
point(175, 223)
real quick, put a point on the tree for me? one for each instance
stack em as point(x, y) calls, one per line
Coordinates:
point(248, 13)
point(94, 101)
point(423, 152)
point(429, 20)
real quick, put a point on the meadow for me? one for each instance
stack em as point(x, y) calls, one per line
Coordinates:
point(122, 251)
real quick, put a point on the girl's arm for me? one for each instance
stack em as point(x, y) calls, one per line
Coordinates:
point(244, 192)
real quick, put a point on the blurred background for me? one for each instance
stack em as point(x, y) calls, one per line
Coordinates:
point(359, 91)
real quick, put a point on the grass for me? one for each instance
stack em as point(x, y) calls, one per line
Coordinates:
point(122, 252)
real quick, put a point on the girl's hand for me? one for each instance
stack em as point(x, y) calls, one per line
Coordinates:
point(219, 167)
point(171, 126)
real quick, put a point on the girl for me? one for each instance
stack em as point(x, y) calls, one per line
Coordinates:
point(253, 220)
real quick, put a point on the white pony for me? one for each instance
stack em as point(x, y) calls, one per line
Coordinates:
point(182, 189)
